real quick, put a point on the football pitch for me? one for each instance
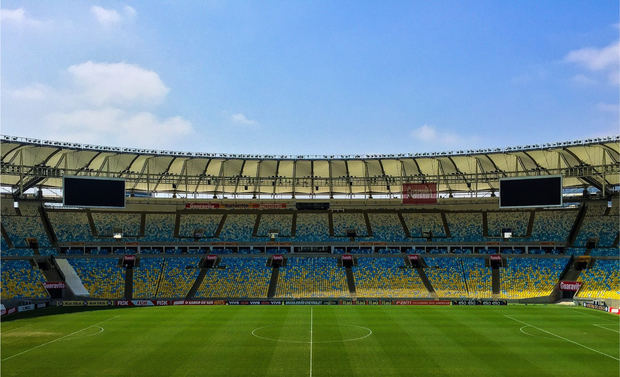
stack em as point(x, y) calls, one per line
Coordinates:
point(316, 341)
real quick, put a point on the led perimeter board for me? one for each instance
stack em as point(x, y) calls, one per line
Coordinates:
point(93, 192)
point(530, 192)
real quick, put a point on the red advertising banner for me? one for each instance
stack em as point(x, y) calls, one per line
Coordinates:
point(54, 285)
point(420, 302)
point(570, 285)
point(347, 257)
point(414, 257)
point(235, 205)
point(419, 193)
point(211, 257)
point(129, 257)
point(495, 257)
point(277, 257)
point(201, 205)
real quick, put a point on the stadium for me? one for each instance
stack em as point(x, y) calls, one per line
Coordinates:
point(310, 265)
point(309, 188)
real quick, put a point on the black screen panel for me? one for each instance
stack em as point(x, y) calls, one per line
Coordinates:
point(530, 192)
point(93, 192)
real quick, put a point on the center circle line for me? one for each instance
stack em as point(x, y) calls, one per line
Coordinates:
point(313, 342)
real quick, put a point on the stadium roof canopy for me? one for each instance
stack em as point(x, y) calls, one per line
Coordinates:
point(28, 163)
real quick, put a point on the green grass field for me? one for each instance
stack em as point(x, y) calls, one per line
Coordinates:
point(315, 341)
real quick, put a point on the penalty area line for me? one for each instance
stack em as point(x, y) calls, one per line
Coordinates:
point(561, 337)
point(57, 339)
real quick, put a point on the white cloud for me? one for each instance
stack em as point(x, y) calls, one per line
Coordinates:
point(242, 119)
point(111, 17)
point(113, 126)
point(101, 103)
point(18, 17)
point(32, 92)
point(117, 83)
point(432, 137)
point(605, 60)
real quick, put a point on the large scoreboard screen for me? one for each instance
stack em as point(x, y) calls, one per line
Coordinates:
point(530, 192)
point(93, 192)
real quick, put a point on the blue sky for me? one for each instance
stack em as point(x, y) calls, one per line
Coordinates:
point(312, 77)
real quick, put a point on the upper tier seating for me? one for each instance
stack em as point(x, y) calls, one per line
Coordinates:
point(281, 223)
point(71, 226)
point(515, 220)
point(159, 228)
point(107, 223)
point(349, 221)
point(312, 227)
point(207, 224)
point(386, 227)
point(596, 225)
point(238, 227)
point(19, 228)
point(420, 223)
point(465, 226)
point(552, 225)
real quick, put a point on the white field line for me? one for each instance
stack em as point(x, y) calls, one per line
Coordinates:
point(311, 341)
point(57, 339)
point(600, 325)
point(561, 337)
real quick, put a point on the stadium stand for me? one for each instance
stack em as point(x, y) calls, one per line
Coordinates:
point(311, 277)
point(552, 225)
point(597, 225)
point(178, 276)
point(21, 280)
point(601, 280)
point(515, 220)
point(447, 276)
point(238, 227)
point(281, 223)
point(71, 226)
point(159, 228)
point(236, 277)
point(101, 277)
point(312, 227)
point(478, 277)
point(146, 277)
point(205, 223)
point(349, 221)
point(465, 226)
point(386, 227)
point(384, 277)
point(107, 223)
point(530, 277)
point(420, 223)
point(19, 228)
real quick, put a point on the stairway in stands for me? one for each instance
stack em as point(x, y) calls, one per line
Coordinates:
point(128, 283)
point(273, 283)
point(350, 280)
